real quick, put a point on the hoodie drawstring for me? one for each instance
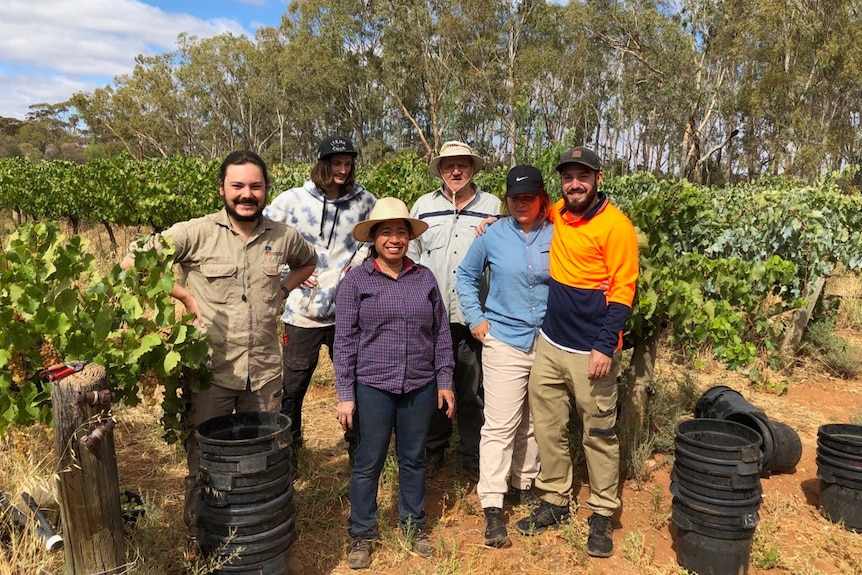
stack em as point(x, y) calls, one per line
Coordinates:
point(323, 220)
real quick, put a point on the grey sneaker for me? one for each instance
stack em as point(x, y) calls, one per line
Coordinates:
point(359, 553)
point(495, 528)
point(422, 544)
point(599, 541)
point(541, 517)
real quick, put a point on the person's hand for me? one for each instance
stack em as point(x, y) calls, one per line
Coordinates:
point(344, 414)
point(600, 365)
point(446, 397)
point(604, 286)
point(480, 330)
point(480, 229)
point(191, 305)
point(311, 282)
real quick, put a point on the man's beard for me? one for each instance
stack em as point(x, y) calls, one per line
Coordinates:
point(580, 207)
point(241, 218)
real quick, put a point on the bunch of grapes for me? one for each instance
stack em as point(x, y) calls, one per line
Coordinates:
point(148, 387)
point(17, 369)
point(50, 355)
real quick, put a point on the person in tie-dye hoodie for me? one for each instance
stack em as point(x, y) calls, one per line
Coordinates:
point(324, 210)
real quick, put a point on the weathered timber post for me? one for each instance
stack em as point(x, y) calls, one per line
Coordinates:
point(639, 382)
point(799, 318)
point(87, 483)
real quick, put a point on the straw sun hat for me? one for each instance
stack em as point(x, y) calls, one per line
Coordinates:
point(451, 150)
point(388, 209)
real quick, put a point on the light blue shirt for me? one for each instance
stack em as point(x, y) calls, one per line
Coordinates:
point(518, 265)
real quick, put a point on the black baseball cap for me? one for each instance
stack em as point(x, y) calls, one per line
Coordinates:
point(335, 145)
point(580, 155)
point(524, 179)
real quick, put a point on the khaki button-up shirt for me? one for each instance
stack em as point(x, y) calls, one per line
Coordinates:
point(237, 285)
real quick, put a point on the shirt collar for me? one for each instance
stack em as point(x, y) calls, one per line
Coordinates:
point(591, 213)
point(409, 266)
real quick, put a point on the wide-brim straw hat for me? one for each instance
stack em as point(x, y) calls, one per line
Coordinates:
point(388, 209)
point(451, 150)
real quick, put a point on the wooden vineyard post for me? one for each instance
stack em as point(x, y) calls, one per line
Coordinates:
point(87, 484)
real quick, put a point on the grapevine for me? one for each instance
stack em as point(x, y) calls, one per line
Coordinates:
point(58, 308)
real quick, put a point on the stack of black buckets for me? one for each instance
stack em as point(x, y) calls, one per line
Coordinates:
point(247, 506)
point(719, 458)
point(716, 490)
point(839, 468)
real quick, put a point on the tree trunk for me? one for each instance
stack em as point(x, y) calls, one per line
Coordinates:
point(87, 485)
point(111, 235)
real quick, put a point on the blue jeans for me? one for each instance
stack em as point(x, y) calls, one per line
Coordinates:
point(378, 413)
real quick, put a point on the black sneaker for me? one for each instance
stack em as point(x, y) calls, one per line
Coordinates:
point(359, 553)
point(517, 496)
point(599, 541)
point(433, 462)
point(543, 516)
point(495, 528)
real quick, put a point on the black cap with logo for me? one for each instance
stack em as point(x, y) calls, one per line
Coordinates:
point(335, 145)
point(524, 179)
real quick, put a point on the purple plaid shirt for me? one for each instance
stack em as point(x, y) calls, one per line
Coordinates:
point(391, 334)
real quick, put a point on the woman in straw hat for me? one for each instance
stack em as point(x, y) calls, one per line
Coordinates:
point(393, 369)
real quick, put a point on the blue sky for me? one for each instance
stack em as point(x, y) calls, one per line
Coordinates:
point(50, 49)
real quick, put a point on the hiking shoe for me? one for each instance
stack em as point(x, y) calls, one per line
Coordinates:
point(599, 541)
point(544, 515)
point(495, 528)
point(359, 553)
point(433, 462)
point(422, 544)
point(517, 496)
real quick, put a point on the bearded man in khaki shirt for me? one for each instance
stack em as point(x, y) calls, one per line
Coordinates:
point(232, 262)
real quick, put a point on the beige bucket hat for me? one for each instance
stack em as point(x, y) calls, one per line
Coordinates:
point(388, 209)
point(454, 149)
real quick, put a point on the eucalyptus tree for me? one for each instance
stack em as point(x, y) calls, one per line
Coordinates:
point(799, 83)
point(223, 83)
point(329, 62)
point(144, 111)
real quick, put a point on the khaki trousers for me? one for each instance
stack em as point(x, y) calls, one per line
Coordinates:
point(557, 377)
point(507, 445)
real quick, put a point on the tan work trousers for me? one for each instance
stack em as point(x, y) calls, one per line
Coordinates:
point(557, 377)
point(507, 445)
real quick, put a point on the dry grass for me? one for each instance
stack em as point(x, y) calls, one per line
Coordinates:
point(847, 289)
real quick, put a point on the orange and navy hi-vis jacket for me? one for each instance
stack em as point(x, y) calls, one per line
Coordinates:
point(601, 245)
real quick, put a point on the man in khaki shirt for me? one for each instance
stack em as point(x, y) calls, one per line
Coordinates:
point(232, 262)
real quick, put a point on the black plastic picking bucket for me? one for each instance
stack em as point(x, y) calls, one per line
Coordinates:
point(781, 445)
point(247, 507)
point(839, 468)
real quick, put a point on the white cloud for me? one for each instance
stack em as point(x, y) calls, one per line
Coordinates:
point(52, 48)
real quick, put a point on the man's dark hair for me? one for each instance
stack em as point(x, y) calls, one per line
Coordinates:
point(239, 158)
point(321, 174)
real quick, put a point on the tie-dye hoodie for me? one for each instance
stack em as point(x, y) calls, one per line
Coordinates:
point(328, 225)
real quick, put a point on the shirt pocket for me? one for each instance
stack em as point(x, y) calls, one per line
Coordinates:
point(219, 282)
point(272, 277)
point(434, 238)
point(544, 263)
